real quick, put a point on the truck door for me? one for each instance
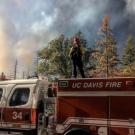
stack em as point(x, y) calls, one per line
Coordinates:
point(122, 114)
point(17, 112)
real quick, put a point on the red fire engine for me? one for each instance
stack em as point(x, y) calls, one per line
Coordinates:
point(96, 107)
point(82, 107)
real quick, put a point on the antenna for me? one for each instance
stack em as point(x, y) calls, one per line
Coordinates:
point(15, 71)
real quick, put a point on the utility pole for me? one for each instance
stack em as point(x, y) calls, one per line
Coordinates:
point(37, 66)
point(28, 72)
point(15, 71)
point(23, 75)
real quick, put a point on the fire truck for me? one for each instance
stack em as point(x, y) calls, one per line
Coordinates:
point(89, 106)
point(96, 106)
point(22, 106)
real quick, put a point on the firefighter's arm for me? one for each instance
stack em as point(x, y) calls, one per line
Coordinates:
point(70, 52)
point(82, 50)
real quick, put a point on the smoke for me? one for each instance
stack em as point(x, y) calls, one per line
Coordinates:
point(25, 51)
point(5, 54)
point(87, 16)
point(27, 26)
point(131, 14)
point(131, 6)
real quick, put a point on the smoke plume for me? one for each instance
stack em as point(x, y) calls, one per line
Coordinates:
point(5, 54)
point(27, 26)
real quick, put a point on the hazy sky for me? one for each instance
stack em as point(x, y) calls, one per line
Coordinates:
point(27, 25)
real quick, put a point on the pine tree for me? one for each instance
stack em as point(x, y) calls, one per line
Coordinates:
point(56, 59)
point(128, 59)
point(106, 52)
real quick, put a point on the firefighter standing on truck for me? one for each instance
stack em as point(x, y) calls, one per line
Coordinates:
point(76, 53)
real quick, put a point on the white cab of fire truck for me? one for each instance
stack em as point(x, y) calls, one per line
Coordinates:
point(22, 105)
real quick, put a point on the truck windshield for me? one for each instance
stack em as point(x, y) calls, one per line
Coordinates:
point(20, 96)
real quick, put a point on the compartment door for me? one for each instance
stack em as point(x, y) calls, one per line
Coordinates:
point(122, 115)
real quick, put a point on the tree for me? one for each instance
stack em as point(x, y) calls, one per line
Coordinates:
point(56, 60)
point(128, 59)
point(106, 52)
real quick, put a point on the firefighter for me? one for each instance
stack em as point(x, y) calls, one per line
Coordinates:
point(76, 53)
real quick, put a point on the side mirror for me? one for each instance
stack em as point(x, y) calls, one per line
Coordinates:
point(49, 92)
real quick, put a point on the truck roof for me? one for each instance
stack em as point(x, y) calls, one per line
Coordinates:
point(98, 78)
point(20, 81)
